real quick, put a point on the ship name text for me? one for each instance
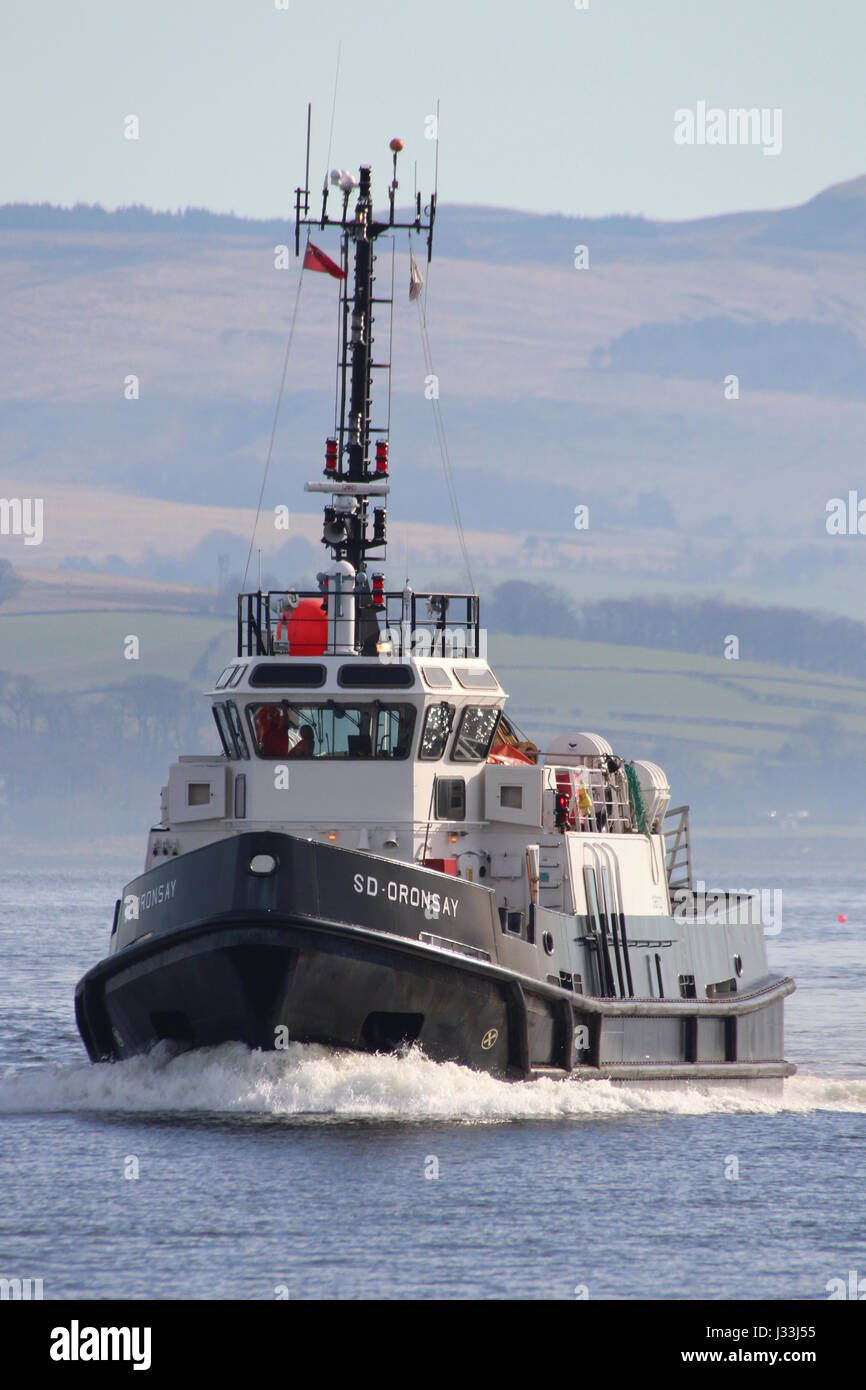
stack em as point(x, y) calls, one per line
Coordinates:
point(432, 904)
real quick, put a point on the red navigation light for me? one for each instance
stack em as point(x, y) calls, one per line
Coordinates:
point(331, 456)
point(561, 814)
point(381, 456)
point(378, 591)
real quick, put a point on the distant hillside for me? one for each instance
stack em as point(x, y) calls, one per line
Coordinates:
point(833, 220)
point(795, 355)
point(477, 233)
point(559, 387)
point(776, 636)
point(738, 739)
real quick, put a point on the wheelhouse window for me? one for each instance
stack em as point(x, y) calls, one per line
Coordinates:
point(373, 675)
point(288, 674)
point(475, 733)
point(450, 798)
point(231, 733)
point(437, 727)
point(371, 729)
point(436, 677)
point(476, 677)
point(237, 728)
point(225, 733)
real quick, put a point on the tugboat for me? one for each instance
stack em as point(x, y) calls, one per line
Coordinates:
point(376, 859)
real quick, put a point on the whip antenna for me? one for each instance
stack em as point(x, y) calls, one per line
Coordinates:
point(331, 136)
point(307, 165)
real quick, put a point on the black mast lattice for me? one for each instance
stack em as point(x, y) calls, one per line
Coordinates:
point(347, 524)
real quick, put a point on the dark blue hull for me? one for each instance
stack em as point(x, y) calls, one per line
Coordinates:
point(350, 950)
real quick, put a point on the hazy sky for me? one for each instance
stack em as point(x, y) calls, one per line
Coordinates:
point(544, 106)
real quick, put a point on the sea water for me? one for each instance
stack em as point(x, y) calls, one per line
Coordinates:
point(313, 1173)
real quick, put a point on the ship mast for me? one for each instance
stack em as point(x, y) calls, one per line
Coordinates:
point(360, 399)
point(351, 481)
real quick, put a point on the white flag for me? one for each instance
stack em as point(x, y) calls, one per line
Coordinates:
point(416, 280)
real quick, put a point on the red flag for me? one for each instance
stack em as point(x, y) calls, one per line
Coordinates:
point(314, 259)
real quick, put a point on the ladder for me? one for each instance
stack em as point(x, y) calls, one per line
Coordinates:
point(678, 852)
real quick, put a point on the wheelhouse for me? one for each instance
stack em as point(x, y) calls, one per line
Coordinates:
point(357, 710)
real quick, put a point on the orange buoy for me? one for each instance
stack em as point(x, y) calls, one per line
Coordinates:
point(306, 628)
point(842, 917)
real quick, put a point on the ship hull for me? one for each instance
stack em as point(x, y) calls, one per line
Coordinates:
point(384, 968)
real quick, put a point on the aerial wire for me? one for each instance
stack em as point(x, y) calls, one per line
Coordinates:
point(276, 419)
point(439, 424)
point(444, 454)
point(333, 112)
point(292, 327)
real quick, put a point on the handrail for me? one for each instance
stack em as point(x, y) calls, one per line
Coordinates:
point(419, 623)
point(607, 790)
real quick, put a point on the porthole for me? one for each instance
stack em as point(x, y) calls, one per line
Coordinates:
point(261, 864)
point(547, 942)
point(738, 964)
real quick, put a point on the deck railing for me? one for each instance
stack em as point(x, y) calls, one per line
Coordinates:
point(422, 624)
point(607, 790)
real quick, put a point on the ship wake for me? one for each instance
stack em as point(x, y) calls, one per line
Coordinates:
point(308, 1082)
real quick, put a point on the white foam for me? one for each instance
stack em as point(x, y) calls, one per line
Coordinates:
point(318, 1082)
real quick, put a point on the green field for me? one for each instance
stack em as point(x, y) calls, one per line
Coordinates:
point(632, 693)
point(744, 742)
point(629, 694)
point(83, 651)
